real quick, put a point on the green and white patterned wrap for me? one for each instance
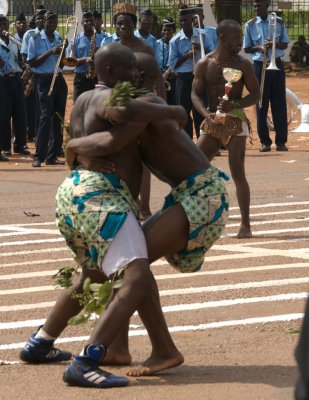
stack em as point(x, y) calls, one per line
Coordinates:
point(90, 209)
point(205, 201)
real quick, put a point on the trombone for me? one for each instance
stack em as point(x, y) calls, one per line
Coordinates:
point(71, 60)
point(200, 40)
point(272, 65)
point(70, 22)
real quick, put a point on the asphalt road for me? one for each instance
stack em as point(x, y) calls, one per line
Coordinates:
point(232, 321)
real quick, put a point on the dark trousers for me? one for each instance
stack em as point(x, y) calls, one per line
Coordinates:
point(31, 113)
point(15, 113)
point(2, 109)
point(171, 94)
point(302, 356)
point(52, 109)
point(82, 84)
point(183, 98)
point(273, 94)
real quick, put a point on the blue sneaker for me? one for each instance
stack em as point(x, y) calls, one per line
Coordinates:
point(84, 371)
point(41, 351)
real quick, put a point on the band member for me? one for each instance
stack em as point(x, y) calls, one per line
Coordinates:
point(43, 52)
point(185, 51)
point(210, 30)
point(21, 26)
point(15, 104)
point(84, 48)
point(32, 103)
point(258, 43)
point(98, 23)
point(143, 32)
point(162, 54)
point(4, 65)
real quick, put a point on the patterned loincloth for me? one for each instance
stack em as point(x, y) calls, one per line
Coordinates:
point(90, 209)
point(203, 197)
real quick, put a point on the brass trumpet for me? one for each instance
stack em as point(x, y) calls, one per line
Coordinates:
point(69, 23)
point(71, 60)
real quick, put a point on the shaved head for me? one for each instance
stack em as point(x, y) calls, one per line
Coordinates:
point(148, 66)
point(112, 56)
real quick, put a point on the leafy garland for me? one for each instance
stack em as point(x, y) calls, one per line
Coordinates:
point(94, 296)
point(123, 92)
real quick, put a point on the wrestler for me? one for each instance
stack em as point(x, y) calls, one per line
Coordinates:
point(208, 77)
point(194, 213)
point(96, 214)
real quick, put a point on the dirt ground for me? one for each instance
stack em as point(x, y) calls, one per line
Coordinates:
point(232, 321)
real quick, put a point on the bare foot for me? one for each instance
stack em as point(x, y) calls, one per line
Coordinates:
point(154, 365)
point(244, 232)
point(117, 359)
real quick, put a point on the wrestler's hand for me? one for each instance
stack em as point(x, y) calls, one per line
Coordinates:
point(224, 106)
point(70, 157)
point(96, 164)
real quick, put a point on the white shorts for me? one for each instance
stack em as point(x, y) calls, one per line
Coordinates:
point(129, 244)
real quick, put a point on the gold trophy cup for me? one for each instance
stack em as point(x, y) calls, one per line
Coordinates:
point(231, 75)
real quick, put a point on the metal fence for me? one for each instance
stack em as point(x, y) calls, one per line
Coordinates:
point(294, 12)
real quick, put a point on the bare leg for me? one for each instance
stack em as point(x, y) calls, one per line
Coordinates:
point(137, 285)
point(208, 145)
point(118, 352)
point(165, 232)
point(236, 149)
point(144, 197)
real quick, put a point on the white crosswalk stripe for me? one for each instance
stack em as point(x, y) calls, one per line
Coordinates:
point(269, 269)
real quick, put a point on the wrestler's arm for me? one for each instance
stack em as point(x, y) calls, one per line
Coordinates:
point(145, 109)
point(199, 86)
point(103, 144)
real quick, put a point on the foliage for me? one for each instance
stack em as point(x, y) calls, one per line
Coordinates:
point(64, 276)
point(123, 92)
point(94, 298)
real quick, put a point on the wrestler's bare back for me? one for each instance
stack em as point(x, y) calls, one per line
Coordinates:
point(215, 81)
point(85, 121)
point(170, 154)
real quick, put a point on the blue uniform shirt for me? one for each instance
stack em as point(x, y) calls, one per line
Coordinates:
point(14, 64)
point(257, 31)
point(150, 40)
point(162, 54)
point(38, 45)
point(26, 38)
point(211, 32)
point(181, 44)
point(110, 39)
point(5, 57)
point(82, 49)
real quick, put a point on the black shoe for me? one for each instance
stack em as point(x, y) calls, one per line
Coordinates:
point(264, 148)
point(3, 158)
point(22, 152)
point(61, 153)
point(36, 163)
point(282, 147)
point(7, 153)
point(54, 161)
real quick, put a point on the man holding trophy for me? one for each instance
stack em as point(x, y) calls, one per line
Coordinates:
point(223, 74)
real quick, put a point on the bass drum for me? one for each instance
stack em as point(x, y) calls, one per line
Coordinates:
point(293, 112)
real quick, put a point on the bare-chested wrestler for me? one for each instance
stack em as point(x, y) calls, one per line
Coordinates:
point(96, 214)
point(194, 213)
point(209, 77)
point(125, 21)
